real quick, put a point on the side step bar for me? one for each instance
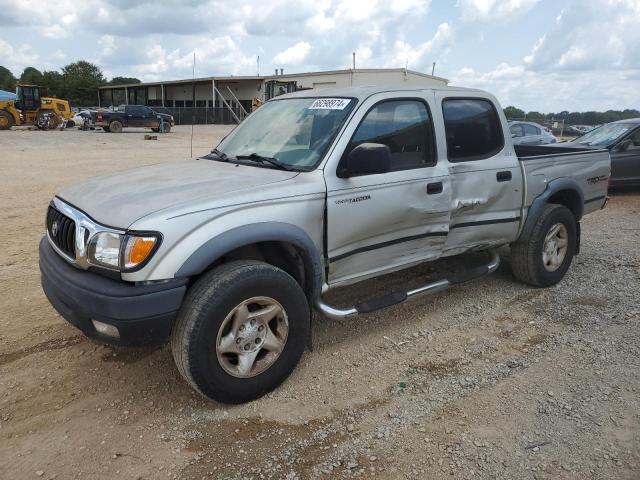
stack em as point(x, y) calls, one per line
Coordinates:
point(398, 297)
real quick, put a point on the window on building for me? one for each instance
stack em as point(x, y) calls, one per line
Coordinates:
point(405, 127)
point(473, 129)
point(201, 103)
point(179, 103)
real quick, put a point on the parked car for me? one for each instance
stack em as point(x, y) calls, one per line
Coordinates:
point(82, 119)
point(622, 140)
point(139, 116)
point(228, 254)
point(530, 133)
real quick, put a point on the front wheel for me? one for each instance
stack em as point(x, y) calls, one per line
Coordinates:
point(241, 331)
point(543, 258)
point(6, 120)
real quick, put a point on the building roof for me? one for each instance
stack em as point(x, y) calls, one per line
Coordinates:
point(230, 78)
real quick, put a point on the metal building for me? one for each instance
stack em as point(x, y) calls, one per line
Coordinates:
point(228, 99)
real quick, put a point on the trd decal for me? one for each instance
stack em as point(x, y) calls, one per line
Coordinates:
point(354, 200)
point(594, 180)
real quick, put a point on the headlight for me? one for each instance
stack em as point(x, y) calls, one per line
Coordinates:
point(121, 252)
point(104, 250)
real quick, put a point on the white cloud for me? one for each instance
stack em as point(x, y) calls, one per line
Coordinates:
point(600, 34)
point(294, 55)
point(17, 58)
point(494, 10)
point(419, 56)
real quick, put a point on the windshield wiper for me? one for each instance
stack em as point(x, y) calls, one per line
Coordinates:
point(262, 159)
point(217, 155)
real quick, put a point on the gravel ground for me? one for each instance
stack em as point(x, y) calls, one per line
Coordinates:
point(491, 379)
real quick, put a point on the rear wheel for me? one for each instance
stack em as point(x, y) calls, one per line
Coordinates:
point(241, 331)
point(167, 128)
point(115, 126)
point(6, 120)
point(544, 257)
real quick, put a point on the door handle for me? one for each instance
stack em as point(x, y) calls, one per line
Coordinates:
point(434, 188)
point(503, 176)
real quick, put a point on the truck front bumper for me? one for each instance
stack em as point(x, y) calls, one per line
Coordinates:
point(113, 311)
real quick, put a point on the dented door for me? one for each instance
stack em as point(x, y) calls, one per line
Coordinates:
point(486, 179)
point(382, 222)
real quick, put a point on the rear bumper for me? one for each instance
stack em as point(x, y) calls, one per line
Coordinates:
point(143, 314)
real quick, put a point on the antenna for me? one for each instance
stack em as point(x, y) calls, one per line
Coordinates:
point(433, 68)
point(258, 65)
point(193, 105)
point(354, 60)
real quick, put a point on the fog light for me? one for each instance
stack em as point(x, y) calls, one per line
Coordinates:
point(105, 329)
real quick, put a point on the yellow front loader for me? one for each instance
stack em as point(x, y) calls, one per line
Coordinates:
point(31, 109)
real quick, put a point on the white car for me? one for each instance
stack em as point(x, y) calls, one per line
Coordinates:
point(530, 133)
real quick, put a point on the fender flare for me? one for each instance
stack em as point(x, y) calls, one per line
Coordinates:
point(230, 240)
point(554, 186)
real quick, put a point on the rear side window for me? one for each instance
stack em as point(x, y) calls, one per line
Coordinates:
point(531, 130)
point(473, 129)
point(405, 127)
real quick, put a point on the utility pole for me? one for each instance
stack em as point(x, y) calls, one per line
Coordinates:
point(354, 60)
point(258, 64)
point(433, 68)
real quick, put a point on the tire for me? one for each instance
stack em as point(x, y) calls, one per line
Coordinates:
point(528, 255)
point(70, 124)
point(6, 120)
point(155, 130)
point(206, 319)
point(106, 129)
point(115, 126)
point(167, 128)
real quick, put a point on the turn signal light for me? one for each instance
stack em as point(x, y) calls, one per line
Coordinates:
point(137, 250)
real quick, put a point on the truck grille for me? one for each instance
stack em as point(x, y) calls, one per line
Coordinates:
point(62, 230)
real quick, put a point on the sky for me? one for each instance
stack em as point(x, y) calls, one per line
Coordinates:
point(542, 55)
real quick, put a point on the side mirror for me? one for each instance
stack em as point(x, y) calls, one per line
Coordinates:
point(367, 159)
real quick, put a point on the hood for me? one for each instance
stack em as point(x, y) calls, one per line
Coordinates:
point(120, 199)
point(578, 145)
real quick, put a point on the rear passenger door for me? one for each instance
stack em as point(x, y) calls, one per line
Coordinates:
point(381, 222)
point(532, 135)
point(486, 179)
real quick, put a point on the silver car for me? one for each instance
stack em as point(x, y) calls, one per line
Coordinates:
point(530, 133)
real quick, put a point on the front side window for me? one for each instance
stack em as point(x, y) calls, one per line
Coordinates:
point(517, 130)
point(293, 131)
point(473, 129)
point(402, 125)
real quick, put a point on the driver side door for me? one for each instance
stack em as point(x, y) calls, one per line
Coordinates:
point(381, 222)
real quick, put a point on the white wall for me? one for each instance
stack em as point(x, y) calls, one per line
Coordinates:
point(346, 79)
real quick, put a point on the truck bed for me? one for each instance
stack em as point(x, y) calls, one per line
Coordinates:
point(588, 167)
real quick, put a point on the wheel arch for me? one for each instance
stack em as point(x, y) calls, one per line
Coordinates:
point(561, 191)
point(280, 244)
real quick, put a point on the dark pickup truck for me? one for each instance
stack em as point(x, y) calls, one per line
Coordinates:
point(139, 116)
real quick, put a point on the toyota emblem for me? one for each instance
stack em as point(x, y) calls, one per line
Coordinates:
point(54, 228)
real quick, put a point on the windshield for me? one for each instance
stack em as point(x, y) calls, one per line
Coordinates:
point(296, 132)
point(605, 135)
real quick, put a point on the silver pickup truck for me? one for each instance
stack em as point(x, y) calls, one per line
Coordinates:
point(228, 254)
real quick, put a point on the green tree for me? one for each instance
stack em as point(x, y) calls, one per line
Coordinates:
point(123, 81)
point(513, 113)
point(31, 76)
point(81, 81)
point(7, 80)
point(52, 84)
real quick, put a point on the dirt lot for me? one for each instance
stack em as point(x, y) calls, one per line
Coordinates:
point(491, 379)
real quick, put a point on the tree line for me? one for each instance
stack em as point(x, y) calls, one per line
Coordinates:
point(572, 118)
point(77, 82)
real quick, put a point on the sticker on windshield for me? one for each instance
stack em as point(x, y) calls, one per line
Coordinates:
point(329, 104)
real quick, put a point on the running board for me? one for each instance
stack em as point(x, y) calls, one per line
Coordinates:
point(398, 297)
